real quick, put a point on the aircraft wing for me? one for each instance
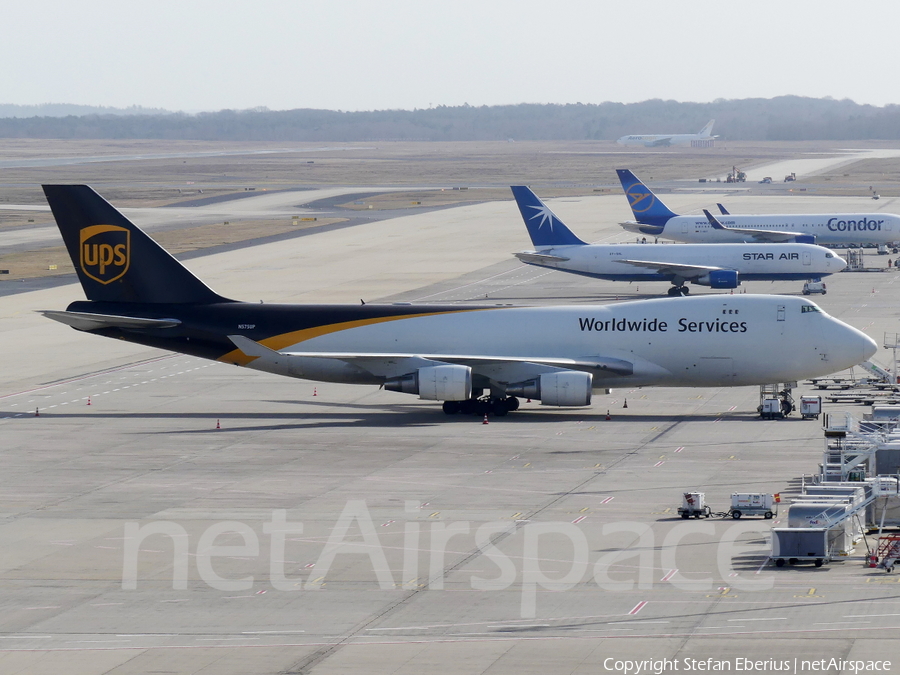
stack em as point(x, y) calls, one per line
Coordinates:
point(397, 364)
point(86, 321)
point(539, 258)
point(771, 236)
point(675, 269)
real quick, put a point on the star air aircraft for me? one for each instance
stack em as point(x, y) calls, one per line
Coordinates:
point(713, 265)
point(654, 218)
point(663, 140)
point(473, 359)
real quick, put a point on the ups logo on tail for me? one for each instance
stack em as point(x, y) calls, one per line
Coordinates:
point(105, 252)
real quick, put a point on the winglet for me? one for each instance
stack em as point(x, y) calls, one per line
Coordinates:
point(536, 215)
point(713, 221)
point(252, 348)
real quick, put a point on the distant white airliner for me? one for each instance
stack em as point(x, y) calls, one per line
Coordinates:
point(654, 218)
point(713, 265)
point(661, 140)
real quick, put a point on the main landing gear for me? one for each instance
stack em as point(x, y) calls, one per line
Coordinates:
point(678, 290)
point(485, 405)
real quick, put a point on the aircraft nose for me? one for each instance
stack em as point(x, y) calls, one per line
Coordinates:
point(839, 263)
point(848, 346)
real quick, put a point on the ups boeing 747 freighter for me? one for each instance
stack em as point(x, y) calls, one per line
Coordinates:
point(476, 359)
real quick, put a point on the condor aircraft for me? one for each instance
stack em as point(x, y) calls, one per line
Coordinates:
point(654, 218)
point(713, 265)
point(662, 140)
point(477, 359)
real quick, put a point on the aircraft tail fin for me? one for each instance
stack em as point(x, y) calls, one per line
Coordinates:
point(722, 210)
point(648, 209)
point(713, 221)
point(544, 226)
point(706, 131)
point(115, 260)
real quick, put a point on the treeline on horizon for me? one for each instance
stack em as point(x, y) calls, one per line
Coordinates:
point(785, 118)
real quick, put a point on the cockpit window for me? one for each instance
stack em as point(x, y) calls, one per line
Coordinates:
point(809, 308)
point(829, 255)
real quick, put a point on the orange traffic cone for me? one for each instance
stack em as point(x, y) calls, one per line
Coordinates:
point(218, 426)
point(89, 400)
point(315, 392)
point(485, 419)
point(37, 413)
point(607, 416)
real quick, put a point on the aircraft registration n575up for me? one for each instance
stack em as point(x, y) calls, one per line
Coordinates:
point(713, 265)
point(654, 218)
point(476, 359)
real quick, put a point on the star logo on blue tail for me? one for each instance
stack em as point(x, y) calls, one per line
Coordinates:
point(545, 214)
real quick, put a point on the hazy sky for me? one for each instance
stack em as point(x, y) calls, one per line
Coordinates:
point(196, 55)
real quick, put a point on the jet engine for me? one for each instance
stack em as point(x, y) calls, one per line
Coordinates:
point(719, 279)
point(435, 383)
point(563, 388)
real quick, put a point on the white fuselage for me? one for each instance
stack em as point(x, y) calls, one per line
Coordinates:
point(751, 261)
point(827, 228)
point(716, 340)
point(661, 140)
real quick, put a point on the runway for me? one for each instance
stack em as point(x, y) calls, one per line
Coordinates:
point(295, 527)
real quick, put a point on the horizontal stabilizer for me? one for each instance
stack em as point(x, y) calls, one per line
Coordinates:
point(539, 258)
point(86, 321)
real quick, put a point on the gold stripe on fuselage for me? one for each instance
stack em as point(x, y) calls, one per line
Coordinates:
point(279, 342)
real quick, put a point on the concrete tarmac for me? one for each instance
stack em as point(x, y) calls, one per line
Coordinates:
point(169, 514)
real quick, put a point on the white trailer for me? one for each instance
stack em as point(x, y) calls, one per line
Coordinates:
point(754, 504)
point(800, 544)
point(810, 407)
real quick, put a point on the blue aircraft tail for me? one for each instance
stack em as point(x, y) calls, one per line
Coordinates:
point(545, 227)
point(648, 209)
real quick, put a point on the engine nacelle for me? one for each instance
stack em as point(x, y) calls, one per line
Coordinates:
point(719, 279)
point(564, 388)
point(435, 383)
